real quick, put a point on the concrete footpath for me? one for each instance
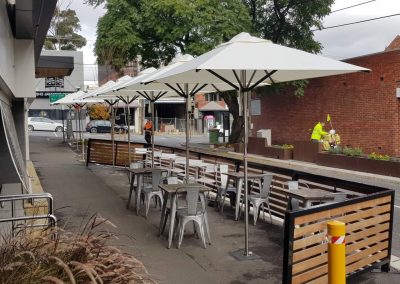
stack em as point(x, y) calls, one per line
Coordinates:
point(80, 192)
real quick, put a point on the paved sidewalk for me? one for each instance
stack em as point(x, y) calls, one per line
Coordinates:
point(80, 192)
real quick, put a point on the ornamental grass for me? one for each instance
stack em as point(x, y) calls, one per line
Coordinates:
point(57, 256)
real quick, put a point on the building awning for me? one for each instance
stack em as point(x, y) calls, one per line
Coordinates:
point(213, 106)
point(30, 19)
point(54, 66)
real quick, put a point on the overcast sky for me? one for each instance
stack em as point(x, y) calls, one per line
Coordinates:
point(339, 43)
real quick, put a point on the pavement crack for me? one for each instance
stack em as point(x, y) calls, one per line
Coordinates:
point(198, 263)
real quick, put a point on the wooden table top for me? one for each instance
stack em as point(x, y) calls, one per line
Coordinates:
point(308, 194)
point(180, 187)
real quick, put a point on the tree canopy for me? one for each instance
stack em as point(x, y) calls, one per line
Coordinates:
point(159, 29)
point(62, 34)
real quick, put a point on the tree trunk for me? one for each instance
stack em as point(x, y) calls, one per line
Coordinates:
point(231, 101)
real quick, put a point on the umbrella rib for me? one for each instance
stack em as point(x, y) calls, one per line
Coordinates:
point(177, 91)
point(238, 80)
point(194, 88)
point(122, 99)
point(182, 91)
point(198, 89)
point(223, 79)
point(216, 89)
point(134, 98)
point(251, 78)
point(160, 94)
point(268, 75)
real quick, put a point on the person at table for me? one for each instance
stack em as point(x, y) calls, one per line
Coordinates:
point(148, 129)
point(318, 132)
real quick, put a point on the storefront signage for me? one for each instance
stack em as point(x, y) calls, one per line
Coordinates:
point(54, 82)
point(55, 97)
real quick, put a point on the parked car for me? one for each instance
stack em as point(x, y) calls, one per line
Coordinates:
point(43, 123)
point(103, 126)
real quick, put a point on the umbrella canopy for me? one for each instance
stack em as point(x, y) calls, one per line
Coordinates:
point(262, 60)
point(245, 62)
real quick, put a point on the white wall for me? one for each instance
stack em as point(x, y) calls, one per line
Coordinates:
point(6, 49)
point(24, 69)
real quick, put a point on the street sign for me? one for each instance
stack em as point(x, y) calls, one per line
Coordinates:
point(55, 97)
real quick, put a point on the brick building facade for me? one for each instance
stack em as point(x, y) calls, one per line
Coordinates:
point(363, 106)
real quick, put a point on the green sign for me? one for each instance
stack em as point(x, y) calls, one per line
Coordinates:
point(55, 97)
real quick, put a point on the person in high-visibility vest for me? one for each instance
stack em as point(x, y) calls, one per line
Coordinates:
point(148, 128)
point(318, 132)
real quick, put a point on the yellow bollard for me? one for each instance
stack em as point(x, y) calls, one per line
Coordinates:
point(336, 252)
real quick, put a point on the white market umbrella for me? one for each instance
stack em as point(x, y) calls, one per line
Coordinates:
point(249, 61)
point(187, 91)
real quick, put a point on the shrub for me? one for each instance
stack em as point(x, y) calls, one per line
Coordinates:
point(57, 256)
point(376, 156)
point(287, 146)
point(352, 152)
point(337, 150)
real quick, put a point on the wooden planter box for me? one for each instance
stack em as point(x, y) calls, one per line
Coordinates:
point(387, 168)
point(306, 151)
point(278, 152)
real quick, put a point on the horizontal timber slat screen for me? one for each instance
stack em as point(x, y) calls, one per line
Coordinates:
point(369, 221)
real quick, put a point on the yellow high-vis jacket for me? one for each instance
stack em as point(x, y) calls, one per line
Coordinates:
point(318, 132)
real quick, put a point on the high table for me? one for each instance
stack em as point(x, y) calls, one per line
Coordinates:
point(139, 173)
point(238, 178)
point(171, 191)
point(309, 195)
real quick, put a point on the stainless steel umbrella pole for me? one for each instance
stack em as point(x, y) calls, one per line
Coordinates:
point(186, 89)
point(152, 128)
point(244, 96)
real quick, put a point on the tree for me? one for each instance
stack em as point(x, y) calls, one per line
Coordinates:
point(62, 34)
point(157, 30)
point(99, 112)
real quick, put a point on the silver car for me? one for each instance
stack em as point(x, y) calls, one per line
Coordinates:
point(42, 123)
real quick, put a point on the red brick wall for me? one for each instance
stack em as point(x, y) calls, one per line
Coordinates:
point(363, 107)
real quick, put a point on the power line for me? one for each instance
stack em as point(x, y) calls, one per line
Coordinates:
point(345, 8)
point(358, 22)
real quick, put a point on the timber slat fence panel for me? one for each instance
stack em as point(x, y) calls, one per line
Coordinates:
point(369, 222)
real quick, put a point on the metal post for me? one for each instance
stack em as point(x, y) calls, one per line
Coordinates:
point(186, 89)
point(76, 128)
point(81, 133)
point(336, 252)
point(152, 129)
point(246, 134)
point(129, 130)
point(112, 134)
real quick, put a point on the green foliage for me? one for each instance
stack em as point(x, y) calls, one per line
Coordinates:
point(353, 152)
point(159, 29)
point(62, 34)
point(287, 146)
point(376, 156)
point(337, 150)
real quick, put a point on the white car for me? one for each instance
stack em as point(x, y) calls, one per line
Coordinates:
point(42, 123)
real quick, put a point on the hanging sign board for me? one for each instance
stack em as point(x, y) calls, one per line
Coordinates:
point(51, 82)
